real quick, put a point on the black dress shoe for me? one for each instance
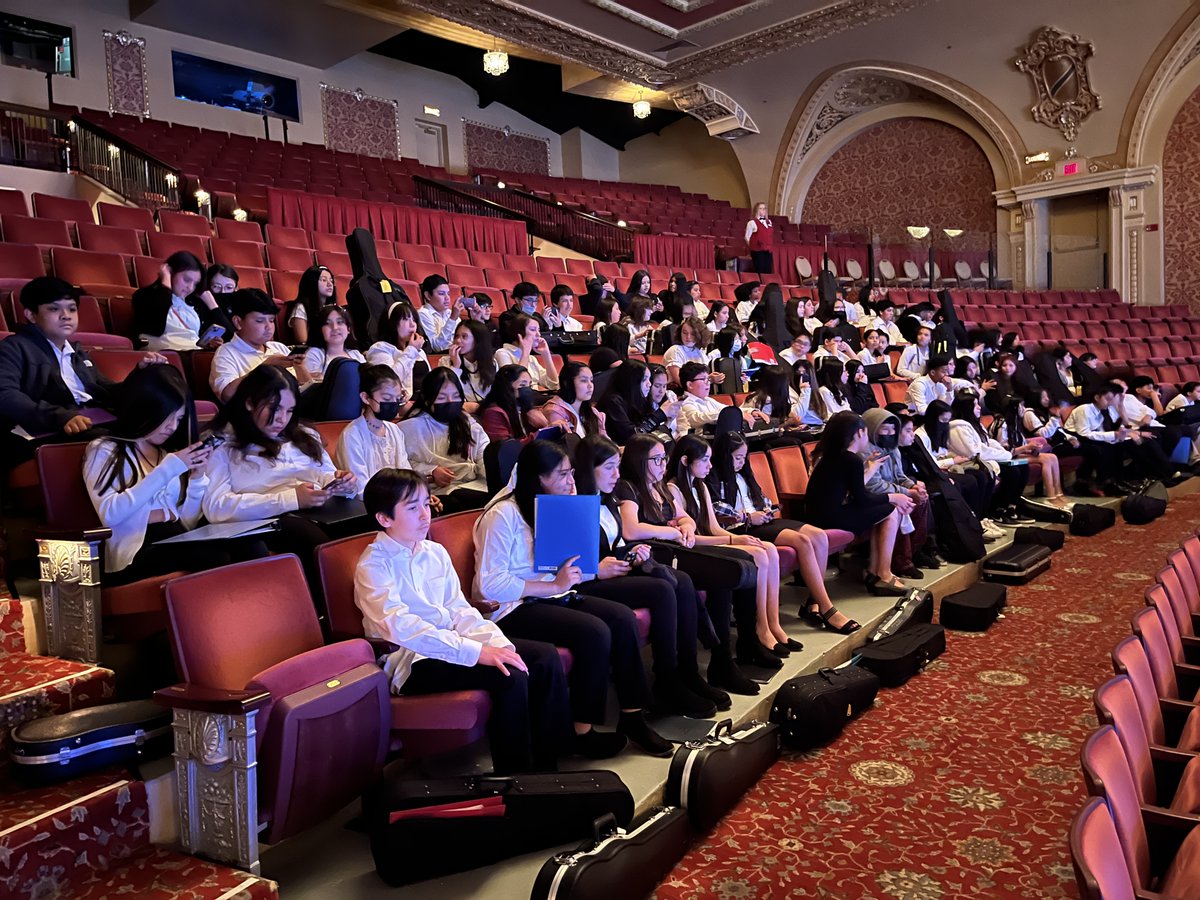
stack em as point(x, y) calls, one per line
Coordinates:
point(751, 653)
point(911, 572)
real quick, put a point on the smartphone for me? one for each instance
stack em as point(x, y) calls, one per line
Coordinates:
point(211, 333)
point(213, 440)
point(468, 301)
point(622, 552)
point(297, 350)
point(336, 482)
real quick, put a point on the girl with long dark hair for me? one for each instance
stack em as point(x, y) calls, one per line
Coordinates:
point(401, 344)
point(525, 346)
point(832, 395)
point(509, 412)
point(627, 407)
point(1008, 428)
point(472, 356)
point(446, 444)
point(571, 408)
point(317, 288)
point(601, 634)
point(639, 286)
point(177, 310)
point(969, 438)
point(640, 324)
point(330, 338)
point(773, 396)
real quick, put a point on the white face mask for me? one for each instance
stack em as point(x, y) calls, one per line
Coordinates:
point(689, 344)
point(737, 345)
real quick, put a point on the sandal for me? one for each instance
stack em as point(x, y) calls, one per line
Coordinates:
point(812, 615)
point(849, 627)
point(877, 586)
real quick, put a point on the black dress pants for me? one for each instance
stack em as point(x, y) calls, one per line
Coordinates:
point(672, 618)
point(1009, 486)
point(530, 724)
point(763, 263)
point(153, 559)
point(602, 637)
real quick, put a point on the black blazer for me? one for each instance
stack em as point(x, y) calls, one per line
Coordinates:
point(32, 391)
point(152, 303)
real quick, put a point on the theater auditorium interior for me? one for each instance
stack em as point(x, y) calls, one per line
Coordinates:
point(675, 448)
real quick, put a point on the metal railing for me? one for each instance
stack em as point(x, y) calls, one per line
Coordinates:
point(577, 230)
point(450, 196)
point(33, 139)
point(122, 167)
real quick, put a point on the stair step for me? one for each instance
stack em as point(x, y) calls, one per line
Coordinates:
point(37, 686)
point(161, 874)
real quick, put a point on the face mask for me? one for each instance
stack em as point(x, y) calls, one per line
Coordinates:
point(447, 412)
point(529, 308)
point(526, 398)
point(689, 344)
point(885, 441)
point(388, 410)
point(737, 345)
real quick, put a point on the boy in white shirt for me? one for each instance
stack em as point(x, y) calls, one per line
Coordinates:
point(1188, 396)
point(698, 408)
point(885, 321)
point(874, 349)
point(915, 357)
point(562, 304)
point(934, 386)
point(439, 317)
point(374, 441)
point(410, 595)
point(254, 319)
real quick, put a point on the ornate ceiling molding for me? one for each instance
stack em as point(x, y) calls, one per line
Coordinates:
point(618, 8)
point(721, 114)
point(1182, 52)
point(514, 22)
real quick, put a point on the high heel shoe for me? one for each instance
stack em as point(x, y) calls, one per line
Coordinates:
point(877, 586)
point(849, 627)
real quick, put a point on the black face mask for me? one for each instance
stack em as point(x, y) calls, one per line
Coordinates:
point(447, 412)
point(388, 410)
point(526, 397)
point(885, 441)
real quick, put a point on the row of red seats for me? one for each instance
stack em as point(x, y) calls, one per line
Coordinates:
point(1138, 834)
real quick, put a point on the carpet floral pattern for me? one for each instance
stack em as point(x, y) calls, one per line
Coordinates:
point(963, 782)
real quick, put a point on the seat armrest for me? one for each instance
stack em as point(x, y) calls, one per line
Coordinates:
point(382, 648)
point(1160, 815)
point(46, 533)
point(211, 700)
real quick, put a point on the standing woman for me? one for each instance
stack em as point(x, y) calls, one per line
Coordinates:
point(401, 344)
point(837, 498)
point(445, 444)
point(601, 634)
point(316, 289)
point(740, 506)
point(760, 240)
point(571, 408)
point(473, 360)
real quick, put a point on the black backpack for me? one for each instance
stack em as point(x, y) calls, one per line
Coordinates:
point(1145, 504)
point(1091, 518)
point(959, 532)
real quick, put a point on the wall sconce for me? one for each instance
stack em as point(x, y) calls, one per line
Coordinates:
point(952, 232)
point(202, 197)
point(114, 150)
point(239, 215)
point(501, 185)
point(621, 223)
point(172, 179)
point(432, 111)
point(1042, 157)
point(920, 232)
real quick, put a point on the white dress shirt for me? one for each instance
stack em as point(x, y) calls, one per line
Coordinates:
point(964, 440)
point(414, 599)
point(316, 361)
point(381, 353)
point(504, 557)
point(943, 456)
point(831, 404)
point(181, 331)
point(236, 359)
point(428, 443)
point(923, 391)
point(67, 370)
point(127, 513)
point(891, 329)
point(1179, 401)
point(1087, 421)
point(363, 452)
point(543, 378)
point(870, 359)
point(677, 355)
point(697, 412)
point(788, 356)
point(438, 327)
point(913, 362)
point(744, 310)
point(821, 353)
point(474, 390)
point(1133, 411)
point(244, 485)
point(1033, 425)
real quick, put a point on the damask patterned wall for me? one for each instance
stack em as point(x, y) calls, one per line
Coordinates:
point(355, 122)
point(1181, 198)
point(905, 172)
point(505, 149)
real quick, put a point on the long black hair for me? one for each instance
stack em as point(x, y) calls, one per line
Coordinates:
point(722, 479)
point(616, 338)
point(263, 388)
point(536, 459)
point(483, 350)
point(634, 461)
point(459, 427)
point(566, 391)
point(315, 336)
point(936, 430)
point(503, 395)
point(693, 490)
point(591, 453)
point(963, 407)
point(829, 375)
point(627, 384)
point(839, 434)
point(146, 399)
point(397, 313)
point(308, 296)
point(635, 283)
point(772, 385)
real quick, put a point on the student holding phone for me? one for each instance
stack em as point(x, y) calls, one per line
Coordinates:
point(254, 318)
point(171, 315)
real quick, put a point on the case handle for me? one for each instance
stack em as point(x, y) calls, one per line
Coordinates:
point(604, 826)
point(724, 726)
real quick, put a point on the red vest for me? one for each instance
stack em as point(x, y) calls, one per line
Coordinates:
point(763, 238)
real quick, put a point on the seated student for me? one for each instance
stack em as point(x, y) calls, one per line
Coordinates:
point(639, 286)
point(774, 397)
point(251, 347)
point(693, 345)
point(1089, 372)
point(49, 389)
point(613, 349)
point(973, 480)
point(733, 356)
point(329, 339)
point(830, 346)
point(718, 317)
point(741, 507)
point(934, 385)
point(571, 408)
point(874, 349)
point(747, 296)
point(797, 350)
point(601, 634)
point(810, 323)
point(272, 466)
point(837, 498)
point(698, 408)
point(171, 315)
point(976, 347)
point(473, 360)
point(316, 289)
point(558, 313)
point(663, 399)
point(147, 479)
point(373, 441)
point(915, 358)
point(916, 316)
point(1139, 408)
point(859, 394)
point(967, 376)
point(1055, 373)
point(524, 301)
point(1024, 379)
point(832, 396)
point(445, 444)
point(690, 466)
point(479, 309)
point(1188, 396)
point(969, 438)
point(924, 555)
point(890, 480)
point(1008, 427)
point(627, 408)
point(641, 326)
point(525, 346)
point(608, 312)
point(439, 315)
point(510, 410)
point(409, 594)
point(804, 383)
point(885, 322)
point(401, 344)
point(221, 281)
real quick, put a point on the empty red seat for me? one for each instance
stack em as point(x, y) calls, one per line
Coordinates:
point(609, 270)
point(486, 259)
point(287, 237)
point(337, 263)
point(109, 239)
point(233, 230)
point(171, 222)
point(66, 209)
point(238, 254)
point(18, 264)
point(334, 243)
point(467, 276)
point(552, 264)
point(99, 274)
point(45, 233)
point(452, 256)
point(13, 202)
point(163, 245)
point(138, 218)
point(284, 285)
point(419, 270)
point(288, 259)
point(414, 252)
point(518, 263)
point(544, 281)
point(249, 277)
point(579, 267)
point(576, 283)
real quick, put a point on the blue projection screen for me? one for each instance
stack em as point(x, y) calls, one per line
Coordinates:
point(234, 87)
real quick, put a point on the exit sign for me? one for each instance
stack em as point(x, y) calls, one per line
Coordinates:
point(1071, 168)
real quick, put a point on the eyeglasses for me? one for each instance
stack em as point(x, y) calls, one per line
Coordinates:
point(659, 459)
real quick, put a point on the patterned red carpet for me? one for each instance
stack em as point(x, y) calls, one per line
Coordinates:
point(963, 782)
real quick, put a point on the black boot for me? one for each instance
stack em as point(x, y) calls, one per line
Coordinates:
point(724, 672)
point(690, 675)
point(672, 695)
point(634, 726)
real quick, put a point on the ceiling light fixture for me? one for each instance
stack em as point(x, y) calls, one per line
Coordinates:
point(495, 62)
point(641, 108)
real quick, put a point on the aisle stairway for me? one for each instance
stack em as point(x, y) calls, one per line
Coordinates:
point(89, 837)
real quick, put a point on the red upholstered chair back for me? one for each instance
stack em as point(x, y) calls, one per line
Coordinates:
point(60, 469)
point(163, 245)
point(13, 202)
point(233, 230)
point(283, 236)
point(791, 474)
point(184, 223)
point(1172, 588)
point(337, 562)
point(136, 217)
point(456, 534)
point(1100, 869)
point(1129, 658)
point(1106, 772)
point(1157, 597)
point(1148, 627)
point(66, 209)
point(330, 432)
point(29, 230)
point(1191, 550)
point(229, 624)
point(1187, 577)
point(1117, 705)
point(761, 468)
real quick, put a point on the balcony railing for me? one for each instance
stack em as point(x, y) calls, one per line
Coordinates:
point(33, 139)
point(450, 196)
point(123, 168)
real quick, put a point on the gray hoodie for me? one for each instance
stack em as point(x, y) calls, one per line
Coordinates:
point(889, 477)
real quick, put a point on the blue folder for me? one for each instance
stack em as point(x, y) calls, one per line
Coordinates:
point(566, 526)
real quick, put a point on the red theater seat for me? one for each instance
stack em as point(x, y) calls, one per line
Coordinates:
point(13, 202)
point(239, 254)
point(65, 209)
point(171, 222)
point(288, 258)
point(99, 274)
point(282, 236)
point(233, 230)
point(163, 245)
point(138, 218)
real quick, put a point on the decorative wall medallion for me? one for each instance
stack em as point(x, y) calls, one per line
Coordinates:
point(720, 113)
point(1056, 62)
point(125, 60)
point(356, 122)
point(488, 147)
